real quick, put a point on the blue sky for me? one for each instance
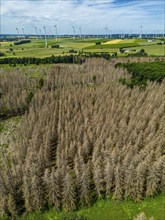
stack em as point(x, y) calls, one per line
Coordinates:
point(119, 16)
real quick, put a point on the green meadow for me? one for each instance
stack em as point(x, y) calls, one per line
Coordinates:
point(152, 50)
point(37, 47)
point(107, 210)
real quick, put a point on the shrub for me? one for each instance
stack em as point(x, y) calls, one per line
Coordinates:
point(72, 51)
point(41, 83)
point(121, 50)
point(30, 96)
point(55, 46)
point(142, 51)
point(114, 54)
point(2, 54)
point(22, 42)
point(94, 78)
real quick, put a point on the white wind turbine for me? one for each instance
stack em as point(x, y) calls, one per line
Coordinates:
point(36, 33)
point(56, 31)
point(141, 31)
point(23, 33)
point(18, 33)
point(74, 32)
point(80, 31)
point(46, 42)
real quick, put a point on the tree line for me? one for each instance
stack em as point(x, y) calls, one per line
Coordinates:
point(142, 72)
point(77, 59)
point(22, 42)
point(37, 61)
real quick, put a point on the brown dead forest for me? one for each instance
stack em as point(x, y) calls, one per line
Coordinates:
point(83, 136)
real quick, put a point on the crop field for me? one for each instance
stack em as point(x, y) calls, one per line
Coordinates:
point(97, 50)
point(112, 46)
point(155, 50)
point(119, 41)
point(36, 48)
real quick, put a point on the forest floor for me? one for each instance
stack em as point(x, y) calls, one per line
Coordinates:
point(7, 129)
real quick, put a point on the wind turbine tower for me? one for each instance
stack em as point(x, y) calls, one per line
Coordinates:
point(36, 33)
point(141, 31)
point(40, 33)
point(106, 31)
point(18, 33)
point(46, 42)
point(50, 33)
point(56, 31)
point(74, 32)
point(23, 33)
point(80, 31)
point(130, 34)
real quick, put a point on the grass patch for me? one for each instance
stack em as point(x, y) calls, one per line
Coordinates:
point(108, 50)
point(108, 210)
point(118, 45)
point(155, 50)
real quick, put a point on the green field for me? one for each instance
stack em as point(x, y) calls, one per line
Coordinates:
point(37, 47)
point(108, 210)
point(155, 50)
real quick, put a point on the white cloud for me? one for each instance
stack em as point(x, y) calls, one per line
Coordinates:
point(91, 15)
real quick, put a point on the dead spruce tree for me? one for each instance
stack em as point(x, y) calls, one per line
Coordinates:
point(82, 139)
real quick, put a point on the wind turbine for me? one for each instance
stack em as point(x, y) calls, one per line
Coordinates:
point(158, 33)
point(40, 33)
point(36, 33)
point(141, 31)
point(50, 33)
point(46, 42)
point(106, 30)
point(110, 32)
point(56, 31)
point(80, 31)
point(23, 33)
point(18, 33)
point(74, 32)
point(130, 34)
